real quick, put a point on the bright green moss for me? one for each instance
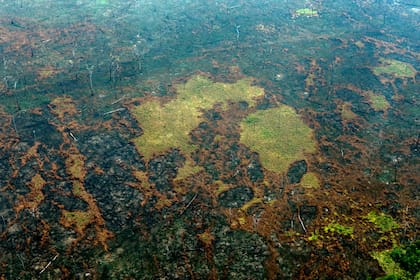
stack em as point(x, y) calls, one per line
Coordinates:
point(279, 136)
point(168, 125)
point(314, 236)
point(395, 68)
point(340, 229)
point(384, 222)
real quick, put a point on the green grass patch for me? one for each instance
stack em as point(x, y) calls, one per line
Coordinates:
point(279, 136)
point(189, 168)
point(168, 125)
point(378, 102)
point(310, 180)
point(395, 68)
point(346, 113)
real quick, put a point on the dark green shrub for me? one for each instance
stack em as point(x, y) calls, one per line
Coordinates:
point(408, 257)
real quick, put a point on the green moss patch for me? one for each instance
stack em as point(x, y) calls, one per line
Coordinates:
point(279, 136)
point(339, 229)
point(395, 68)
point(314, 236)
point(384, 222)
point(168, 125)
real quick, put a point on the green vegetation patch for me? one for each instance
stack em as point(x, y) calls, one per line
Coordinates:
point(346, 113)
point(306, 12)
point(395, 68)
point(340, 229)
point(401, 263)
point(168, 125)
point(384, 222)
point(408, 258)
point(310, 180)
point(390, 267)
point(279, 136)
point(359, 44)
point(314, 236)
point(188, 169)
point(378, 102)
point(79, 219)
